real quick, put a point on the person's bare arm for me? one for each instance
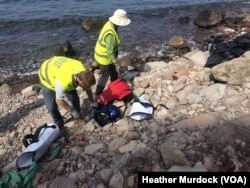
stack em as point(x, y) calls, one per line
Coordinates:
point(75, 114)
point(89, 94)
point(60, 93)
point(63, 103)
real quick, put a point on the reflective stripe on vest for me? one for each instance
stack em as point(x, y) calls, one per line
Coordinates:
point(46, 78)
point(100, 48)
point(62, 69)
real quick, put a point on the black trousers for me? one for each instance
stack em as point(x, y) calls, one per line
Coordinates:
point(106, 72)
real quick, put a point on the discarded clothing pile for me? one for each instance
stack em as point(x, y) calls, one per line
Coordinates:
point(225, 51)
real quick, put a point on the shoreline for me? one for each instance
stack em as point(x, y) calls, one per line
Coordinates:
point(22, 51)
point(180, 138)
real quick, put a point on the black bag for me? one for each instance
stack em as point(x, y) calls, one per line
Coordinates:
point(105, 114)
point(101, 117)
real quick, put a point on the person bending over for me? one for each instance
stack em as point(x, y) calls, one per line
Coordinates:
point(59, 77)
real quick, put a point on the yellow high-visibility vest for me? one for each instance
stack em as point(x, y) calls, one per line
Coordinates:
point(100, 48)
point(61, 68)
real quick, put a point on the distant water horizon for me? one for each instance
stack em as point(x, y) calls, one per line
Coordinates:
point(31, 30)
point(14, 10)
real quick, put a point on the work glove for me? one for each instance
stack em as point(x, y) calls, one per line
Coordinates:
point(75, 114)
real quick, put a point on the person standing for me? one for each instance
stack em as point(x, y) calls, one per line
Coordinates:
point(106, 48)
point(59, 77)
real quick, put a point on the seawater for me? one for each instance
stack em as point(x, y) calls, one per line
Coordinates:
point(31, 30)
point(48, 9)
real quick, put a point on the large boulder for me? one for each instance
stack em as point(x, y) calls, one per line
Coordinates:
point(236, 71)
point(92, 24)
point(65, 49)
point(177, 42)
point(208, 18)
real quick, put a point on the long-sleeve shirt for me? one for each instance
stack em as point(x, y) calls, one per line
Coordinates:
point(110, 45)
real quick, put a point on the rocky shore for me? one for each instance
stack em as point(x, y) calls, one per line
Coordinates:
point(205, 128)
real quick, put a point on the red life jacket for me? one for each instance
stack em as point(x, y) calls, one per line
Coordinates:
point(116, 90)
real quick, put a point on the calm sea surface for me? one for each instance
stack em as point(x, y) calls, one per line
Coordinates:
point(31, 30)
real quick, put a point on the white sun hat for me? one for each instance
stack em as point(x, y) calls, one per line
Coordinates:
point(120, 18)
